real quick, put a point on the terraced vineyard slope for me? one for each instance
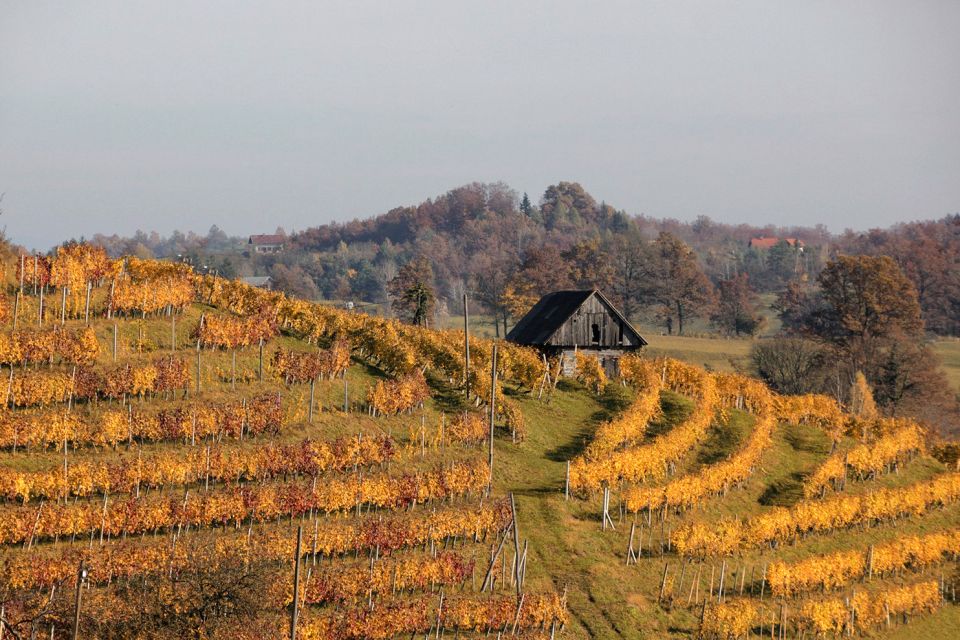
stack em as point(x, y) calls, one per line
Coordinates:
point(184, 456)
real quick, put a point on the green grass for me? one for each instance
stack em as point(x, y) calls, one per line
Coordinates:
point(608, 599)
point(721, 353)
point(568, 551)
point(725, 437)
point(718, 354)
point(949, 353)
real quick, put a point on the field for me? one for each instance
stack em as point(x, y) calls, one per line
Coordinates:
point(148, 443)
point(725, 353)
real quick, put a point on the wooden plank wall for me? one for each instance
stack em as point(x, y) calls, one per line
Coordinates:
point(609, 360)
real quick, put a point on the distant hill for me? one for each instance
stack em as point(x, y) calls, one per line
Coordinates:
point(478, 237)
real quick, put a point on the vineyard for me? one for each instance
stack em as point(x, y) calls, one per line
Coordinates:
point(186, 456)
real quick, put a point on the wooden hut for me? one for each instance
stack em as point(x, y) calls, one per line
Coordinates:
point(564, 322)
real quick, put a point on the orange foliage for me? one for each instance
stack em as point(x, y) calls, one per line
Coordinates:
point(390, 397)
point(815, 516)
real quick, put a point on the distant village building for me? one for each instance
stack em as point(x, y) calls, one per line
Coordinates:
point(260, 282)
point(267, 243)
point(768, 242)
point(565, 322)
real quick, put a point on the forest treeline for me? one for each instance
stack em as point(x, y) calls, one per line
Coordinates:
point(491, 241)
point(851, 304)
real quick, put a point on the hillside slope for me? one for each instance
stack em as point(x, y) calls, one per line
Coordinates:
point(146, 436)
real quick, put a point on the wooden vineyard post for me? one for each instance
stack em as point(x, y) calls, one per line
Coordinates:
point(199, 334)
point(663, 582)
point(870, 562)
point(86, 308)
point(679, 587)
point(606, 519)
point(695, 585)
point(73, 386)
point(346, 393)
point(853, 612)
point(16, 308)
point(115, 341)
point(516, 619)
point(40, 313)
point(523, 564)
point(81, 574)
point(631, 554)
point(440, 614)
point(493, 408)
point(516, 543)
point(466, 347)
point(546, 376)
point(843, 487)
point(173, 332)
point(65, 481)
point(296, 585)
point(63, 306)
point(206, 473)
point(313, 382)
point(487, 579)
point(198, 366)
point(723, 574)
point(260, 367)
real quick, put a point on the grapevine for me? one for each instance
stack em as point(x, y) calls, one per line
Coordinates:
point(227, 505)
point(261, 414)
point(832, 616)
point(834, 570)
point(43, 569)
point(815, 516)
point(650, 461)
point(216, 463)
point(907, 440)
point(480, 614)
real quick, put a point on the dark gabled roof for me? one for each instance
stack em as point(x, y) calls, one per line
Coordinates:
point(551, 311)
point(768, 242)
point(271, 238)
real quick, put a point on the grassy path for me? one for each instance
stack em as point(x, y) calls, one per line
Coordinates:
point(568, 550)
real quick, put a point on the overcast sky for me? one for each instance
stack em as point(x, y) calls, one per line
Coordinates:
point(122, 115)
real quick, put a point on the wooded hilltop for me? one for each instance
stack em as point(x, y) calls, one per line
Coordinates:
point(845, 303)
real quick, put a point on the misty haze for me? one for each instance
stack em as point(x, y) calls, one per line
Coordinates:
point(566, 320)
